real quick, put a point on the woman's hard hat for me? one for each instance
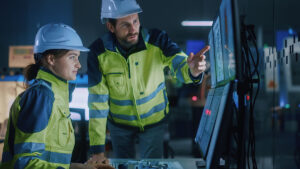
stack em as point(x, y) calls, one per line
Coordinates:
point(57, 36)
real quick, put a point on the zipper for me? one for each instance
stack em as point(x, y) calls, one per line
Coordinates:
point(139, 120)
point(128, 68)
point(126, 60)
point(141, 126)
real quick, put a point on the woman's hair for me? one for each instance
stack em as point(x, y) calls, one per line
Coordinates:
point(30, 72)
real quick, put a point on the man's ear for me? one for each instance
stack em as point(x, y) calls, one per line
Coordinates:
point(50, 59)
point(110, 27)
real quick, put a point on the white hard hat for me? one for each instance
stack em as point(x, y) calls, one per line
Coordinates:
point(57, 36)
point(118, 9)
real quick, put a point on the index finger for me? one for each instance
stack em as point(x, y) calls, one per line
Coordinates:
point(203, 50)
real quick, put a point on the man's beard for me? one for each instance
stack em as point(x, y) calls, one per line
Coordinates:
point(128, 44)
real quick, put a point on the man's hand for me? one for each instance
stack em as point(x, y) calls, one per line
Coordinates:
point(92, 164)
point(100, 158)
point(197, 63)
point(104, 166)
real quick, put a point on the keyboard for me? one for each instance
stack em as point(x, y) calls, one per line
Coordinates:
point(145, 164)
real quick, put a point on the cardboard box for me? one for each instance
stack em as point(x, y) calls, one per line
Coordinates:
point(20, 56)
point(9, 91)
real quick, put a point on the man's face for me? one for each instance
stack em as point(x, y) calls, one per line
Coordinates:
point(126, 30)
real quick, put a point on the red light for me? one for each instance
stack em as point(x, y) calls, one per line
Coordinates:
point(194, 98)
point(208, 112)
point(248, 97)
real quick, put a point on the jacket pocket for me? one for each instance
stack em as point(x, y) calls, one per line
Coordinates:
point(64, 133)
point(116, 83)
point(65, 128)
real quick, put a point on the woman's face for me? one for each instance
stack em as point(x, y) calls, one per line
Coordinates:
point(66, 66)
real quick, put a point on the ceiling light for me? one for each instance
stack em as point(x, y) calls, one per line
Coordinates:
point(196, 23)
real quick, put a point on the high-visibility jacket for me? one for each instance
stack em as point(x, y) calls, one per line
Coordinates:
point(40, 133)
point(129, 87)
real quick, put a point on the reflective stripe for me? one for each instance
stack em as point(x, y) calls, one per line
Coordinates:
point(46, 155)
point(139, 101)
point(122, 102)
point(152, 95)
point(179, 73)
point(29, 147)
point(55, 157)
point(97, 149)
point(23, 161)
point(98, 113)
point(124, 117)
point(155, 109)
point(166, 99)
point(52, 157)
point(176, 62)
point(97, 98)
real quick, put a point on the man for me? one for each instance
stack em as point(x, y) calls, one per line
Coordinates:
point(127, 85)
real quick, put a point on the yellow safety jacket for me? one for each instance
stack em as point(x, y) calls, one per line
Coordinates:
point(128, 87)
point(40, 133)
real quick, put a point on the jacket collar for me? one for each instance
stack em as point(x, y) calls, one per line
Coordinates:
point(48, 76)
point(53, 75)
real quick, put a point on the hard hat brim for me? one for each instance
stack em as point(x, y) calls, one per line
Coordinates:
point(41, 49)
point(121, 15)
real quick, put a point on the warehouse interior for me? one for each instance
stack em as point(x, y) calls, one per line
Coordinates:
point(274, 120)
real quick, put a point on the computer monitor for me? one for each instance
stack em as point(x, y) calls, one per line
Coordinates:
point(220, 140)
point(212, 59)
point(215, 118)
point(204, 133)
point(214, 135)
point(207, 122)
point(219, 60)
point(224, 40)
point(227, 36)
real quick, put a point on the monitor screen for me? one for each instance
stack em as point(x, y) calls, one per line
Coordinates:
point(220, 135)
point(216, 109)
point(208, 119)
point(203, 137)
point(226, 22)
point(212, 59)
point(224, 40)
point(219, 67)
point(213, 135)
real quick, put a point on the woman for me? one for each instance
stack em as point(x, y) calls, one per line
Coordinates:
point(40, 133)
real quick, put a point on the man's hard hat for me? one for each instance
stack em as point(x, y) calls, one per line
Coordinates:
point(118, 9)
point(57, 36)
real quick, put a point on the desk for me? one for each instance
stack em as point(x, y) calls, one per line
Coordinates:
point(186, 163)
